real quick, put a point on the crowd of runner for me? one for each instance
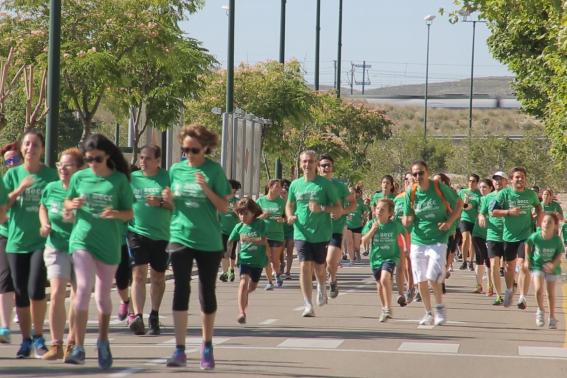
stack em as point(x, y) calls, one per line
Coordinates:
point(94, 222)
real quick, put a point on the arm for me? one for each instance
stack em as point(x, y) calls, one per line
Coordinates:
point(528, 253)
point(220, 203)
point(539, 214)
point(290, 211)
point(455, 215)
point(366, 238)
point(13, 196)
point(45, 228)
point(351, 204)
point(123, 215)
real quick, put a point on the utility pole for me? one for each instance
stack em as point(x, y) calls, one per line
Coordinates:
point(363, 75)
point(53, 82)
point(317, 43)
point(230, 60)
point(365, 78)
point(335, 74)
point(339, 50)
point(351, 78)
point(282, 33)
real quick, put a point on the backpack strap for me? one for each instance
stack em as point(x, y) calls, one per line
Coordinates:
point(412, 195)
point(439, 192)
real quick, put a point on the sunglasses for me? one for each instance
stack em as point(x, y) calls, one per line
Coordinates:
point(191, 150)
point(418, 173)
point(94, 159)
point(64, 166)
point(12, 161)
point(325, 165)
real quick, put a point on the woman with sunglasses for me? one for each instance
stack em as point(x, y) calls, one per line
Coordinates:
point(56, 226)
point(102, 198)
point(479, 235)
point(288, 236)
point(24, 249)
point(355, 222)
point(426, 206)
point(12, 158)
point(199, 188)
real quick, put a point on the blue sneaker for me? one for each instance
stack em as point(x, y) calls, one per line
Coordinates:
point(5, 335)
point(25, 349)
point(104, 355)
point(207, 358)
point(77, 356)
point(178, 359)
point(39, 346)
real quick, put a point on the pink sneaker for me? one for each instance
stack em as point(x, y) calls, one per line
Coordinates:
point(122, 311)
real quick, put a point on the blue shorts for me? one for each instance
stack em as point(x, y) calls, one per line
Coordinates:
point(251, 271)
point(275, 243)
point(336, 240)
point(388, 266)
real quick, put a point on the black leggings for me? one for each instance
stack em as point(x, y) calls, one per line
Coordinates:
point(207, 265)
point(29, 276)
point(481, 251)
point(6, 284)
point(123, 274)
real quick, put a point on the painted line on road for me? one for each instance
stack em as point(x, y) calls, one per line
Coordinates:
point(269, 321)
point(542, 351)
point(299, 308)
point(196, 341)
point(126, 372)
point(158, 361)
point(429, 347)
point(417, 321)
point(311, 343)
point(425, 326)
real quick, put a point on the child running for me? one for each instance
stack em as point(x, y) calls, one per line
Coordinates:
point(387, 236)
point(253, 256)
point(543, 259)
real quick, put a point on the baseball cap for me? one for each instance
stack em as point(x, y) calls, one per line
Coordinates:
point(499, 174)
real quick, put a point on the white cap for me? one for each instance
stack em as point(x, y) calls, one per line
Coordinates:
point(499, 174)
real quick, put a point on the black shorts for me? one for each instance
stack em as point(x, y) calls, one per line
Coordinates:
point(227, 246)
point(451, 244)
point(357, 230)
point(144, 250)
point(252, 271)
point(466, 226)
point(6, 283)
point(275, 243)
point(336, 240)
point(388, 266)
point(481, 251)
point(316, 252)
point(495, 249)
point(513, 250)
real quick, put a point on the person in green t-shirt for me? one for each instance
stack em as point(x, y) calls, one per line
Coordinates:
point(101, 198)
point(550, 205)
point(543, 258)
point(273, 213)
point(355, 223)
point(433, 208)
point(515, 205)
point(24, 248)
point(199, 187)
point(387, 191)
point(345, 205)
point(471, 201)
point(311, 203)
point(56, 225)
point(479, 242)
point(388, 244)
point(228, 221)
point(148, 235)
point(288, 237)
point(253, 255)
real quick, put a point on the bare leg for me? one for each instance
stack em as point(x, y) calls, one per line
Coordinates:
point(139, 275)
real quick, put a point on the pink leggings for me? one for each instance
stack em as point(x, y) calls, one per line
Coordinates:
point(86, 266)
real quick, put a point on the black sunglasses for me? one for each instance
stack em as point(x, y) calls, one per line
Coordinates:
point(96, 159)
point(418, 173)
point(191, 150)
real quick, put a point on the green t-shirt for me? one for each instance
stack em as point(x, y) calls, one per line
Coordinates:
point(23, 228)
point(385, 245)
point(564, 232)
point(343, 193)
point(544, 251)
point(495, 225)
point(251, 253)
point(480, 232)
point(356, 218)
point(312, 227)
point(516, 228)
point(149, 221)
point(3, 201)
point(428, 212)
point(195, 223)
point(470, 214)
point(229, 220)
point(378, 196)
point(553, 207)
point(103, 238)
point(274, 208)
point(52, 199)
point(399, 204)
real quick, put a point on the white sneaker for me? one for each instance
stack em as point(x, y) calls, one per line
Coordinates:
point(322, 298)
point(308, 312)
point(522, 303)
point(552, 323)
point(508, 297)
point(383, 316)
point(427, 319)
point(539, 318)
point(440, 315)
point(269, 286)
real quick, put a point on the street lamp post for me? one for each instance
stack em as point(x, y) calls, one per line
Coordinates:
point(282, 33)
point(53, 67)
point(339, 49)
point(317, 43)
point(428, 20)
point(230, 59)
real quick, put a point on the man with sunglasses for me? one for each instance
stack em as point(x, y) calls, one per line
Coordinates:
point(471, 201)
point(346, 200)
point(312, 201)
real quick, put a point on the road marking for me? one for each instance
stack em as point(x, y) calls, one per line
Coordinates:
point(311, 343)
point(159, 361)
point(268, 321)
point(425, 326)
point(299, 308)
point(417, 321)
point(126, 372)
point(542, 351)
point(92, 341)
point(197, 341)
point(429, 347)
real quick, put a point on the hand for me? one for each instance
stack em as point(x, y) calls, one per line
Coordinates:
point(200, 179)
point(375, 226)
point(44, 230)
point(548, 267)
point(153, 201)
point(263, 216)
point(314, 207)
point(291, 220)
point(526, 264)
point(279, 219)
point(336, 214)
point(26, 183)
point(167, 195)
point(3, 217)
point(77, 203)
point(515, 211)
point(68, 216)
point(482, 221)
point(443, 226)
point(109, 213)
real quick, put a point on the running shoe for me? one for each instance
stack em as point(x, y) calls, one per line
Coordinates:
point(5, 335)
point(288, 276)
point(55, 353)
point(308, 312)
point(122, 311)
point(365, 253)
point(418, 297)
point(552, 323)
point(39, 346)
point(498, 301)
point(177, 359)
point(383, 316)
point(471, 267)
point(137, 326)
point(345, 257)
point(130, 319)
point(334, 292)
point(231, 275)
point(241, 319)
point(478, 289)
point(153, 324)
point(25, 349)
point(207, 357)
point(269, 286)
point(223, 277)
point(507, 298)
point(68, 350)
point(402, 300)
point(104, 354)
point(322, 298)
point(440, 314)
point(347, 262)
point(427, 319)
point(77, 356)
point(463, 266)
point(522, 303)
point(539, 318)
point(447, 274)
point(388, 312)
point(279, 280)
point(502, 272)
